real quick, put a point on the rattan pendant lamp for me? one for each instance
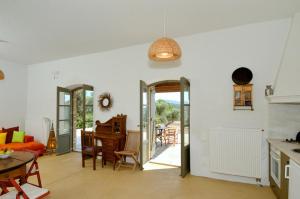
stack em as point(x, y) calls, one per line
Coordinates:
point(164, 49)
point(1, 75)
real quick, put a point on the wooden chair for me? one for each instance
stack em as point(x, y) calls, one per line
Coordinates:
point(170, 136)
point(132, 149)
point(88, 148)
point(33, 170)
point(25, 189)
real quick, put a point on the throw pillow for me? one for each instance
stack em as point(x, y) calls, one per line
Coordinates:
point(2, 138)
point(10, 132)
point(18, 136)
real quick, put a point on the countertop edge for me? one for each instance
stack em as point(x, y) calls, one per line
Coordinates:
point(286, 148)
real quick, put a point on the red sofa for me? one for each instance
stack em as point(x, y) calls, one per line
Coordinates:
point(29, 143)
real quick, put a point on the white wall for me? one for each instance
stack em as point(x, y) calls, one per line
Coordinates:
point(284, 120)
point(208, 61)
point(287, 83)
point(13, 95)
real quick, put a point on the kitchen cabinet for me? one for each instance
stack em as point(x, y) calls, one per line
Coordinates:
point(294, 180)
point(284, 185)
point(275, 170)
point(280, 184)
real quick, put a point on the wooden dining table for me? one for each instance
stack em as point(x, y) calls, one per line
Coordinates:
point(15, 165)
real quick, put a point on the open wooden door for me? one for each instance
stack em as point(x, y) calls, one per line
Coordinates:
point(64, 120)
point(88, 101)
point(144, 124)
point(152, 125)
point(185, 125)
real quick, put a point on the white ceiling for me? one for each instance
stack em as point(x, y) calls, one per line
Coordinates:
point(43, 30)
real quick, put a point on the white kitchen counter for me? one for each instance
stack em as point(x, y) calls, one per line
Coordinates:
point(286, 148)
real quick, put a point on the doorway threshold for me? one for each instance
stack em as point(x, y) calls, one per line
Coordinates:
point(163, 164)
point(149, 166)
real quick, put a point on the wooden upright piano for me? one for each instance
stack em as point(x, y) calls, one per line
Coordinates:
point(113, 136)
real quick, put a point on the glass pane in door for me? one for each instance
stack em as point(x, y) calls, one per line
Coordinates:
point(64, 127)
point(144, 124)
point(186, 116)
point(64, 98)
point(89, 97)
point(88, 108)
point(64, 112)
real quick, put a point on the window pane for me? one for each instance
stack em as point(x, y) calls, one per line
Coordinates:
point(145, 98)
point(186, 135)
point(186, 115)
point(64, 127)
point(145, 113)
point(64, 98)
point(88, 113)
point(89, 96)
point(186, 96)
point(64, 112)
point(89, 125)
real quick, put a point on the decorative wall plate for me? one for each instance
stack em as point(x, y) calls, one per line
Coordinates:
point(242, 76)
point(105, 102)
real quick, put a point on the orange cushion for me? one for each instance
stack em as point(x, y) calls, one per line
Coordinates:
point(35, 146)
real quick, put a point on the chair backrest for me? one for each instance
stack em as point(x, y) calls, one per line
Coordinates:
point(133, 141)
point(87, 139)
point(171, 131)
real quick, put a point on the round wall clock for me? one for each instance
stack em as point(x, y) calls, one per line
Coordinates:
point(105, 101)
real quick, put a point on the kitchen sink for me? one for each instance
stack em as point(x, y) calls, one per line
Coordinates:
point(296, 150)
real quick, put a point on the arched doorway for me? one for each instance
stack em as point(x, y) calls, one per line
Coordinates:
point(150, 124)
point(74, 113)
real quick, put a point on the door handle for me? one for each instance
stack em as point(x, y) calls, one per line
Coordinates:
point(287, 171)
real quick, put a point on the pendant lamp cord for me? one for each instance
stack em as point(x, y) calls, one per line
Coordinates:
point(165, 18)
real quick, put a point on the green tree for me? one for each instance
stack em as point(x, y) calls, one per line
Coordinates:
point(78, 95)
point(166, 112)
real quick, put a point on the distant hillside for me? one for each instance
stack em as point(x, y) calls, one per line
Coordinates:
point(175, 103)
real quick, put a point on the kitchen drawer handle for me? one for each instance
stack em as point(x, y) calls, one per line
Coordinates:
point(287, 171)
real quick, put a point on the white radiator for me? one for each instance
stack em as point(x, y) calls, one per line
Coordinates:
point(236, 151)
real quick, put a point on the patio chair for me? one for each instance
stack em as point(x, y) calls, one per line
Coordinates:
point(159, 135)
point(132, 150)
point(88, 148)
point(170, 136)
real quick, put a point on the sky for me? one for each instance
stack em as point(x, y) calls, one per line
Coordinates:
point(174, 96)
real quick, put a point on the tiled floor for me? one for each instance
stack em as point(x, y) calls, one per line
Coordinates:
point(65, 178)
point(167, 154)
